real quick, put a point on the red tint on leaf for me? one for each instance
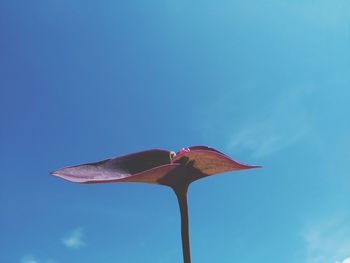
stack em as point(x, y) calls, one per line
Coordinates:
point(154, 166)
point(176, 170)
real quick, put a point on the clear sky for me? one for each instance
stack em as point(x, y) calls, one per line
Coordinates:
point(267, 82)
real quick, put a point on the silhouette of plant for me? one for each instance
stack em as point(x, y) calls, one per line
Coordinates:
point(176, 170)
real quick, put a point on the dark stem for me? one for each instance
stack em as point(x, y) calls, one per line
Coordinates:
point(181, 193)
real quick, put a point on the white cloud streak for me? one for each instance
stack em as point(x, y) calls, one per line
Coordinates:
point(74, 239)
point(284, 123)
point(328, 242)
point(31, 259)
point(347, 260)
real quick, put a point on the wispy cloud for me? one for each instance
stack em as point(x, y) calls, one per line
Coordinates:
point(272, 129)
point(74, 239)
point(347, 260)
point(32, 259)
point(29, 259)
point(328, 241)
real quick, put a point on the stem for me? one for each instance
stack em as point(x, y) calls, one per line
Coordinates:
point(181, 193)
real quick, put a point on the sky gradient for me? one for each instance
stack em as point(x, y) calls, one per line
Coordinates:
point(266, 82)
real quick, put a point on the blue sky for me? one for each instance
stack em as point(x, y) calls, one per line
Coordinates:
point(267, 82)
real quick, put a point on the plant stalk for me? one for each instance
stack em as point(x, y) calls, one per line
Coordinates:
point(181, 193)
